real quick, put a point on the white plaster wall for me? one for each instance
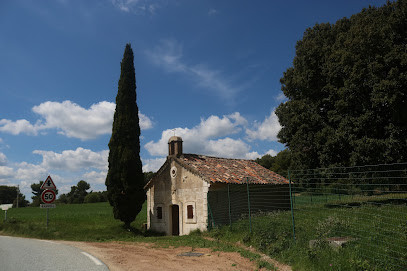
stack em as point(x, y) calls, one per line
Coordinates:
point(185, 189)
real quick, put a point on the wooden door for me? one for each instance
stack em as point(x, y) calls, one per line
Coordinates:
point(175, 219)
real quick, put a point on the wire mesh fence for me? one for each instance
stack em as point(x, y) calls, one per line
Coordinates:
point(360, 209)
point(365, 205)
point(233, 202)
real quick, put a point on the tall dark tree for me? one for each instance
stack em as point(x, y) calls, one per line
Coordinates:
point(125, 179)
point(347, 98)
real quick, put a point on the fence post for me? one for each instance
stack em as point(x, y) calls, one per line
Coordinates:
point(230, 218)
point(292, 208)
point(248, 202)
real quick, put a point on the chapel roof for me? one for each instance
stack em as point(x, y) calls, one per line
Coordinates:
point(233, 171)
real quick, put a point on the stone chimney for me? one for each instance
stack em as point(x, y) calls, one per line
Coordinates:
point(175, 146)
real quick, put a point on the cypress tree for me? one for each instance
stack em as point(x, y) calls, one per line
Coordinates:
point(125, 177)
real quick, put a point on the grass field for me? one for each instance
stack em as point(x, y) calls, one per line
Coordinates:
point(379, 231)
point(79, 222)
point(376, 226)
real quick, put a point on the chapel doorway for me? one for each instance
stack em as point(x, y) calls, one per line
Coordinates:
point(175, 219)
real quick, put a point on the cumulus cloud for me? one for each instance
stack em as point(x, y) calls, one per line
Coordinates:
point(30, 172)
point(271, 152)
point(152, 164)
point(98, 177)
point(6, 172)
point(267, 130)
point(74, 160)
point(197, 139)
point(22, 126)
point(71, 120)
point(169, 55)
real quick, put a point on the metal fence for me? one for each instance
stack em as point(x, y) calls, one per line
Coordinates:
point(363, 208)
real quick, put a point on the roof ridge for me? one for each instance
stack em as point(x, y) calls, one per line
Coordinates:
point(209, 156)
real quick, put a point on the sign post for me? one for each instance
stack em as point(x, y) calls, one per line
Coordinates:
point(48, 196)
point(5, 207)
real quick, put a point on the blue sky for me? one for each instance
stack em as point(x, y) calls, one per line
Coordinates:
point(207, 71)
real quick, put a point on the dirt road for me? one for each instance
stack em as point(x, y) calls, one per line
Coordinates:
point(125, 256)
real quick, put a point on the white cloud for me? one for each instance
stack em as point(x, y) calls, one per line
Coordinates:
point(137, 6)
point(271, 152)
point(30, 172)
point(267, 130)
point(281, 97)
point(71, 120)
point(196, 139)
point(145, 122)
point(227, 147)
point(94, 177)
point(6, 172)
point(3, 159)
point(18, 127)
point(152, 164)
point(169, 55)
point(212, 136)
point(74, 160)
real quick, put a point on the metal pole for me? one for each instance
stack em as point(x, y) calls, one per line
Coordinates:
point(292, 209)
point(230, 218)
point(5, 215)
point(248, 202)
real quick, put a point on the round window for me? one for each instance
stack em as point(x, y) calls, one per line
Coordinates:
point(173, 172)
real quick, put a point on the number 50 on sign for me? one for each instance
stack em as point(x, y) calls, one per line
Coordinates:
point(48, 196)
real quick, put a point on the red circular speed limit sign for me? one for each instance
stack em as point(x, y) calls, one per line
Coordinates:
point(48, 196)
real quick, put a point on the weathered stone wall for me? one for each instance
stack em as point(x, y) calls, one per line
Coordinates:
point(177, 186)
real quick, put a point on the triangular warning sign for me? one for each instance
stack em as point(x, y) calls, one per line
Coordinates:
point(48, 184)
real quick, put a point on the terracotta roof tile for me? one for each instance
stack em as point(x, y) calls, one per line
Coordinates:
point(225, 170)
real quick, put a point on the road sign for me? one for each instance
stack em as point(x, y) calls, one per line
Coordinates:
point(42, 206)
point(5, 207)
point(49, 184)
point(48, 196)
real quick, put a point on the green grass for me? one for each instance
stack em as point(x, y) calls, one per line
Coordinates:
point(81, 222)
point(377, 224)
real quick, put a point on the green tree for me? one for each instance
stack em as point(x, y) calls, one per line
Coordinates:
point(266, 161)
point(78, 192)
point(37, 191)
point(347, 99)
point(148, 176)
point(7, 194)
point(282, 163)
point(125, 177)
point(22, 202)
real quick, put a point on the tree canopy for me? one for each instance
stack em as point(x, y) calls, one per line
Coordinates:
point(346, 91)
point(125, 179)
point(280, 163)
